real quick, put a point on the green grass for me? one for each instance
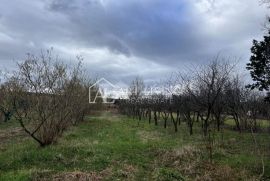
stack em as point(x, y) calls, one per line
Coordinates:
point(125, 149)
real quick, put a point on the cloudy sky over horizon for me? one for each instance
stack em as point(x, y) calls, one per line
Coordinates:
point(120, 39)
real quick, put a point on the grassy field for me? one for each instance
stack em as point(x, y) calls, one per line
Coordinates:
point(114, 147)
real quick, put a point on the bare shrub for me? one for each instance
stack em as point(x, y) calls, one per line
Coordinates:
point(206, 88)
point(49, 97)
point(7, 100)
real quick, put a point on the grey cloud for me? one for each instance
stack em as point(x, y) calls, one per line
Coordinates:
point(167, 33)
point(157, 30)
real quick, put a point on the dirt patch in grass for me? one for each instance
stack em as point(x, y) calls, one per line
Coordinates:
point(109, 116)
point(10, 134)
point(147, 136)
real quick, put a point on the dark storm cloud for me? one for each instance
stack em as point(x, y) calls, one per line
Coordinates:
point(151, 29)
point(129, 37)
point(163, 31)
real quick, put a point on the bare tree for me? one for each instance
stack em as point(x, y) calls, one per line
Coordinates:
point(206, 87)
point(47, 97)
point(136, 92)
point(136, 89)
point(236, 100)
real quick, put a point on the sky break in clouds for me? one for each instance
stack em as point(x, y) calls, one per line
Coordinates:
point(120, 39)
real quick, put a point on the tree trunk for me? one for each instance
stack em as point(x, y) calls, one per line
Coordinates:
point(165, 117)
point(174, 121)
point(237, 123)
point(205, 127)
point(149, 116)
point(7, 116)
point(178, 118)
point(155, 118)
point(191, 129)
point(218, 123)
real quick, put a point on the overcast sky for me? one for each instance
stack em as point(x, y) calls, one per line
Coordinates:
point(120, 39)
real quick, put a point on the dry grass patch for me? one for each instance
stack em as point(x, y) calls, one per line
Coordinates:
point(146, 136)
point(188, 161)
point(184, 159)
point(73, 176)
point(7, 135)
point(11, 132)
point(127, 172)
point(215, 172)
point(117, 170)
point(77, 176)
